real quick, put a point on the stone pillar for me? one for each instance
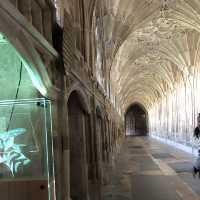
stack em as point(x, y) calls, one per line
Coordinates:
point(78, 163)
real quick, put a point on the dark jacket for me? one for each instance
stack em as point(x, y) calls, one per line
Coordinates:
point(197, 132)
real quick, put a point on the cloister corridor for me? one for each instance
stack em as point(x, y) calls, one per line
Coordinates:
point(99, 99)
point(147, 169)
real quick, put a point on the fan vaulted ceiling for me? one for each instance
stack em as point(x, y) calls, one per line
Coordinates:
point(151, 46)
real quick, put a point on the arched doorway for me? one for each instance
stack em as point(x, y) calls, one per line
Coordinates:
point(136, 121)
point(77, 120)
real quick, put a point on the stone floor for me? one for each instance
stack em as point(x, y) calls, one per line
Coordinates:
point(149, 170)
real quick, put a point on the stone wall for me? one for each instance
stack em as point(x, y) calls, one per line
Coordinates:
point(41, 14)
point(105, 129)
point(95, 129)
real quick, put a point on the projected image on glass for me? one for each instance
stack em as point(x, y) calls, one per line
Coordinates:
point(26, 147)
point(10, 153)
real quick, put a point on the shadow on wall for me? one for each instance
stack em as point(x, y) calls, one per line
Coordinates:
point(136, 120)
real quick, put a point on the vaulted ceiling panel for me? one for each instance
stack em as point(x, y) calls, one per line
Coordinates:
point(151, 46)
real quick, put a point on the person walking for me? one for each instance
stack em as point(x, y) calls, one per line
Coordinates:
point(196, 165)
point(197, 129)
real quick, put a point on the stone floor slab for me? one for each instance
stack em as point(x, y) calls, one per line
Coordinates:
point(149, 170)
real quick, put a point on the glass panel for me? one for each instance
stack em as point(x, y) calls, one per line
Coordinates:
point(26, 149)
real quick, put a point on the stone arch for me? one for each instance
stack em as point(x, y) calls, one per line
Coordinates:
point(136, 120)
point(139, 104)
point(81, 95)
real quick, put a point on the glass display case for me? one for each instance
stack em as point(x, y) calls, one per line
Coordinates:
point(26, 150)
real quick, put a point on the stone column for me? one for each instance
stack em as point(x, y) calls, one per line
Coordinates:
point(78, 163)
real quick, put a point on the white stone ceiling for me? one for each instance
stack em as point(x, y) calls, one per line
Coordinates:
point(151, 45)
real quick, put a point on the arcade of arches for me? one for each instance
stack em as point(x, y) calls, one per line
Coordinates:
point(77, 77)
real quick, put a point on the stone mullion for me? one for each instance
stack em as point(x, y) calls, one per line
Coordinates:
point(24, 7)
point(77, 24)
point(94, 140)
point(92, 46)
point(36, 12)
point(89, 50)
point(103, 49)
point(47, 20)
point(83, 26)
point(110, 136)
